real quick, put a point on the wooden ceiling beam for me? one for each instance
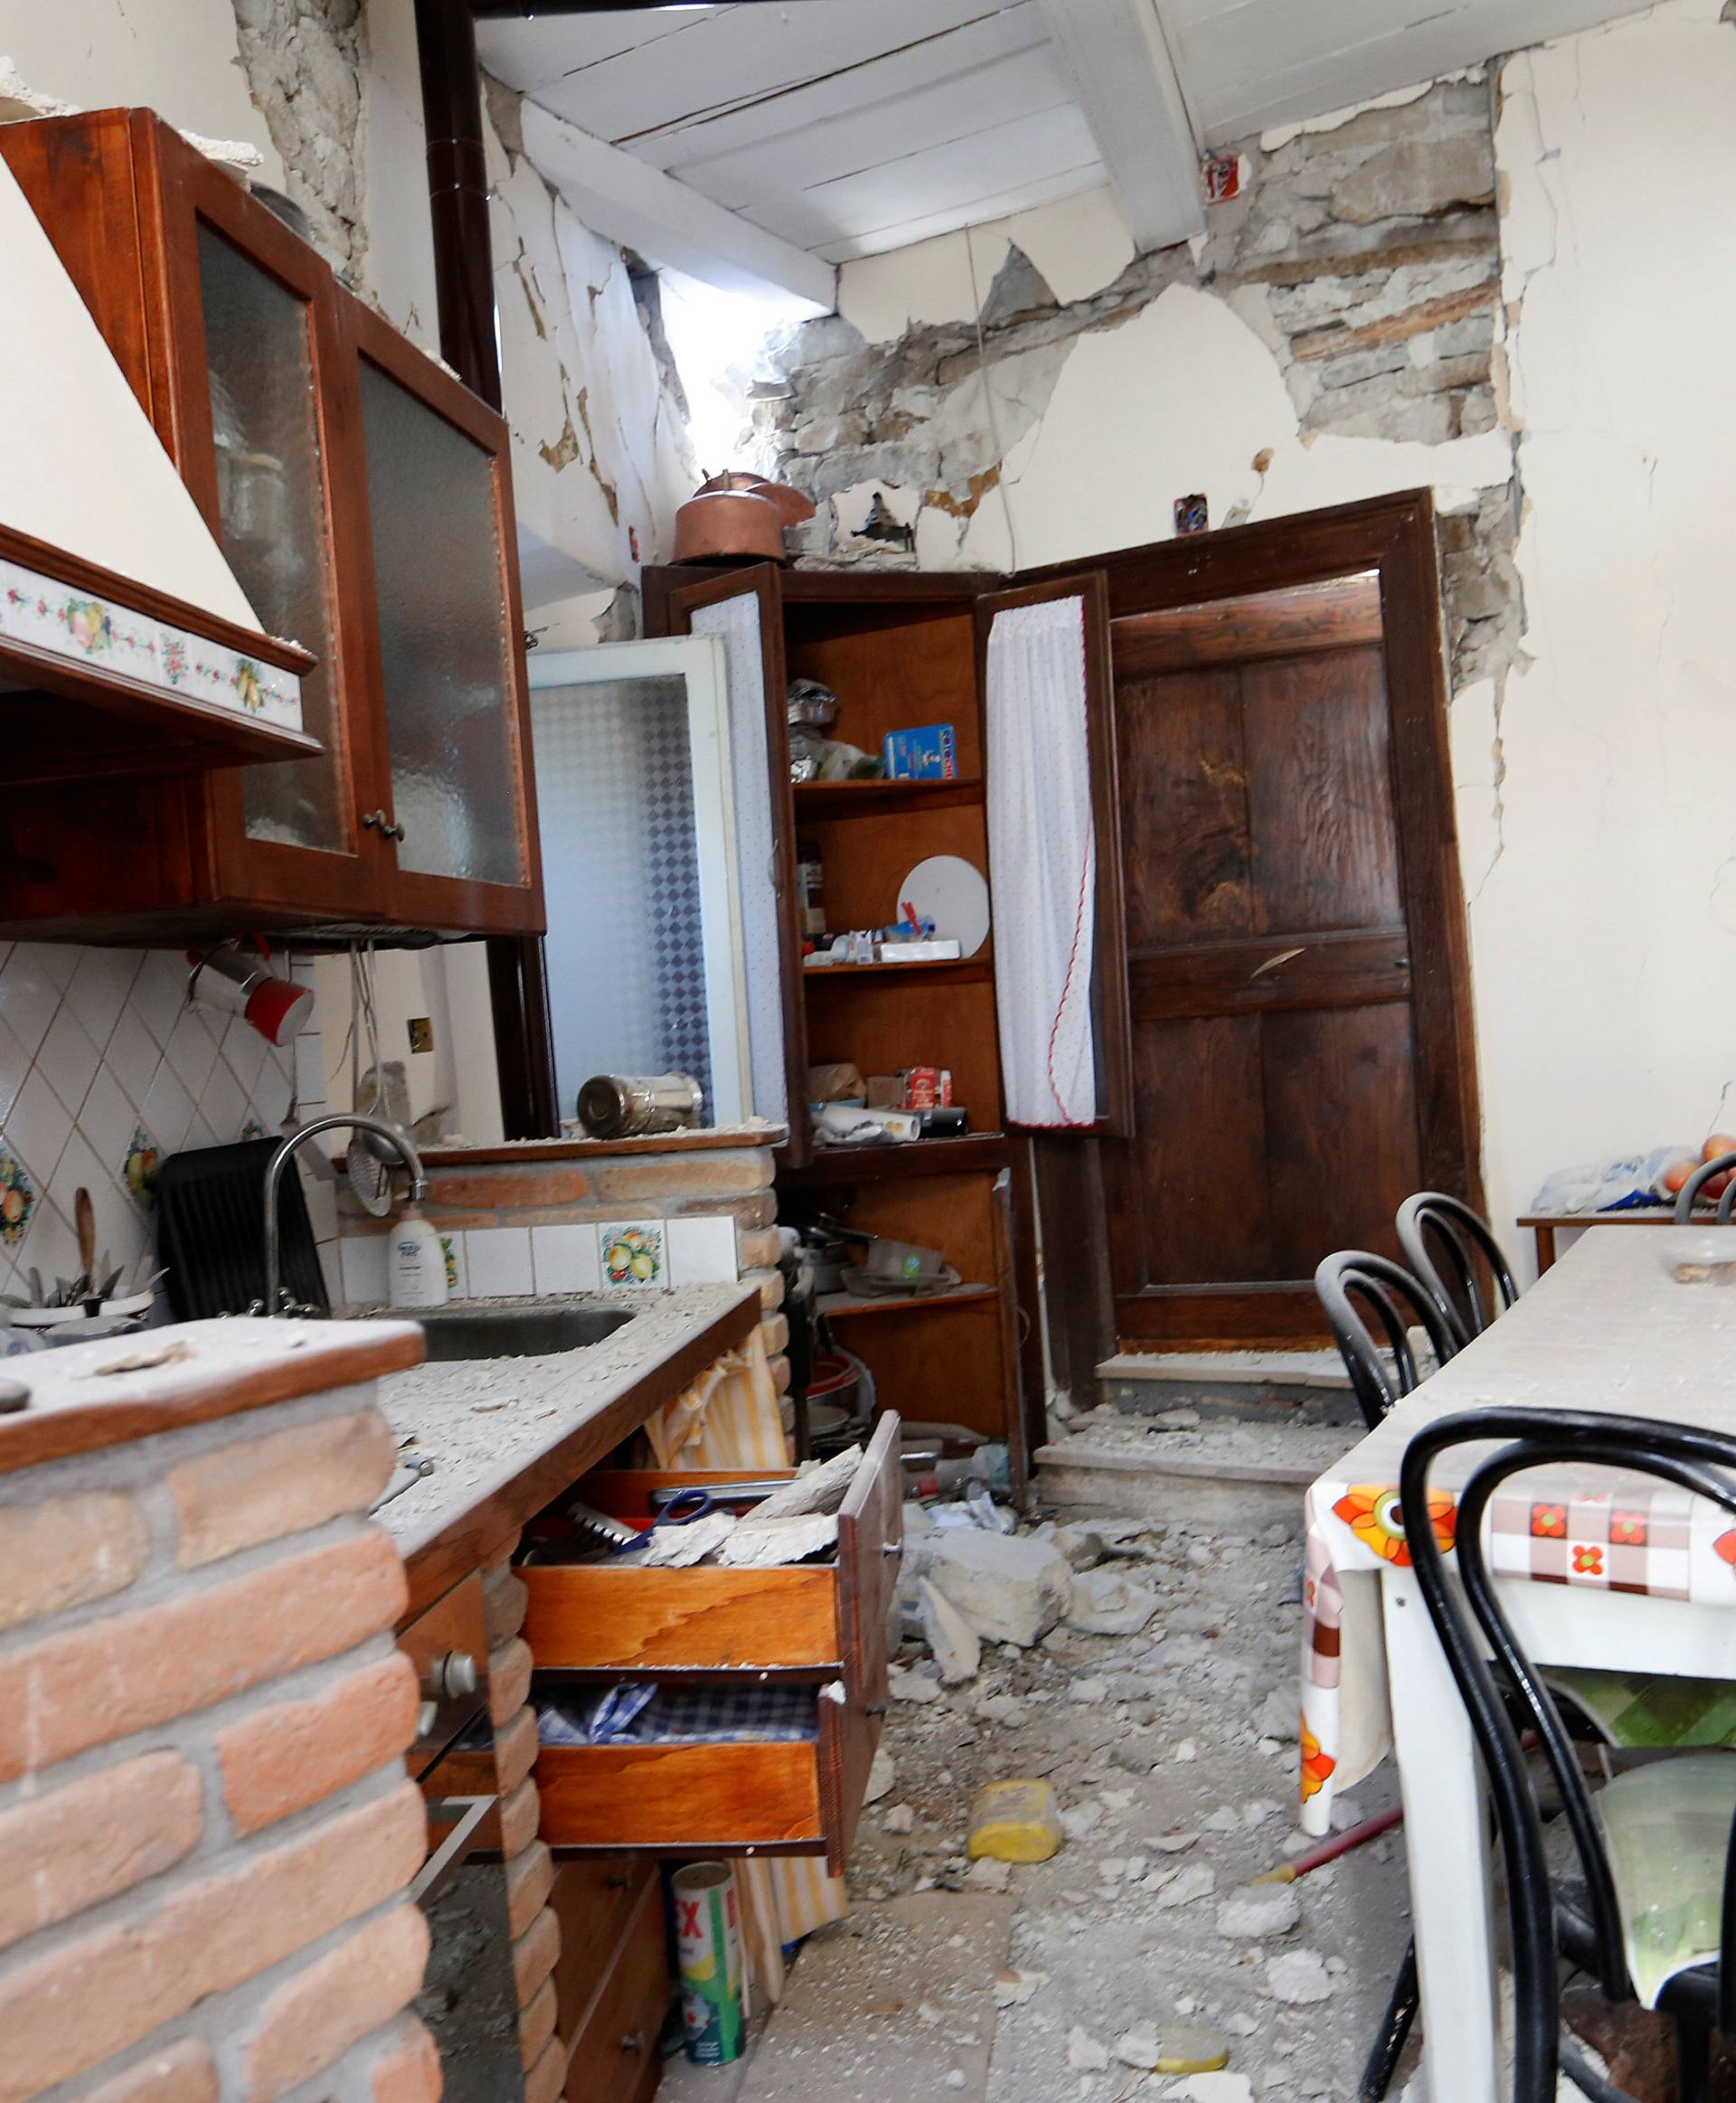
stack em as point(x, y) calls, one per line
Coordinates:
point(667, 221)
point(1119, 59)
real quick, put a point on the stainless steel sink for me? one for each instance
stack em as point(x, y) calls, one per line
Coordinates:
point(518, 1332)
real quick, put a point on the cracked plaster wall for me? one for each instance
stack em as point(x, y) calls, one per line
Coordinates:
point(601, 453)
point(1604, 932)
point(326, 90)
point(1525, 285)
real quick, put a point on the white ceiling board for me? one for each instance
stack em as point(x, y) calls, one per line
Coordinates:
point(885, 80)
point(528, 55)
point(876, 208)
point(1026, 195)
point(742, 54)
point(959, 107)
point(667, 221)
point(1117, 55)
point(1250, 64)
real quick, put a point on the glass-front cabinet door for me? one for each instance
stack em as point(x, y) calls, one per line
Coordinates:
point(260, 373)
point(447, 641)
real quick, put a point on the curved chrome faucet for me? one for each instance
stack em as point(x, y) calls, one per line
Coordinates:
point(358, 1121)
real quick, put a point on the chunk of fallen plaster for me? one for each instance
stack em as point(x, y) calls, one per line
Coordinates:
point(1175, 2050)
point(1085, 2055)
point(1137, 2048)
point(1009, 1588)
point(912, 1686)
point(1198, 1881)
point(1014, 1988)
point(953, 1643)
point(899, 1818)
point(881, 1777)
point(1298, 1978)
point(1105, 1602)
point(1258, 1911)
point(986, 1873)
point(1219, 2089)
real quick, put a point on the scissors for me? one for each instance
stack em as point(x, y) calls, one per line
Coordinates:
point(682, 1510)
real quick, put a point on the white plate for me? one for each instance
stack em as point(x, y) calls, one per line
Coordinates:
point(954, 894)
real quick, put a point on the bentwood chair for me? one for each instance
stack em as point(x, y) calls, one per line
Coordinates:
point(1398, 1300)
point(1690, 1190)
point(1652, 1917)
point(1433, 1225)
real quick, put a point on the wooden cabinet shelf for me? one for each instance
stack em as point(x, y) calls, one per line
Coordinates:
point(970, 1156)
point(854, 800)
point(840, 1307)
point(978, 970)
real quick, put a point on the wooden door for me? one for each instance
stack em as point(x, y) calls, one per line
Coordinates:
point(745, 608)
point(1107, 963)
point(1286, 1079)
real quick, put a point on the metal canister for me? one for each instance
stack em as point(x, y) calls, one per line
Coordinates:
point(622, 1105)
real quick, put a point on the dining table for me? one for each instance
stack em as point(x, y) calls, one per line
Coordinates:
point(1597, 1569)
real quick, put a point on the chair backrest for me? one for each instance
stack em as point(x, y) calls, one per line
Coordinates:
point(1690, 1190)
point(1672, 1453)
point(1397, 1300)
point(1431, 1221)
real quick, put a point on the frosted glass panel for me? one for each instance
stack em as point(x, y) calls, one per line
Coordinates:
point(626, 943)
point(443, 639)
point(272, 490)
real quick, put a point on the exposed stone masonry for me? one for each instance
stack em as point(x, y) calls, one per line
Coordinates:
point(304, 62)
point(1366, 258)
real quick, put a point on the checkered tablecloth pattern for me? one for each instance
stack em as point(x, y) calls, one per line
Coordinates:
point(1590, 1527)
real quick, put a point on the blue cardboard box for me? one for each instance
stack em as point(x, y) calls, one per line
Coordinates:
point(928, 754)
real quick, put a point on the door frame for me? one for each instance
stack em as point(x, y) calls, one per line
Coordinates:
point(697, 661)
point(1395, 537)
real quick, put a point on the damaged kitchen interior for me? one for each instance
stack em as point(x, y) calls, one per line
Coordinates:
point(862, 872)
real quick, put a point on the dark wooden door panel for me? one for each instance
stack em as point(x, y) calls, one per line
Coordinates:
point(1326, 849)
point(1195, 1171)
point(1303, 971)
point(1183, 782)
point(1341, 1124)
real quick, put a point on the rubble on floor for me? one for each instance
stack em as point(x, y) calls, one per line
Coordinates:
point(1142, 1960)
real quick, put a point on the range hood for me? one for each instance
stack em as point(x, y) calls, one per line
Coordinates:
point(126, 643)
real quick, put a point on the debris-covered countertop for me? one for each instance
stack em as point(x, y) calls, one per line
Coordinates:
point(506, 1434)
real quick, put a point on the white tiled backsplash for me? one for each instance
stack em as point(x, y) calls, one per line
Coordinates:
point(103, 1063)
point(487, 1263)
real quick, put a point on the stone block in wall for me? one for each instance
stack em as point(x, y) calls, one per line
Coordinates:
point(509, 1679)
point(407, 2068)
point(506, 1600)
point(328, 2005)
point(774, 1330)
point(1417, 179)
point(536, 2022)
point(516, 1749)
point(182, 2072)
point(529, 1878)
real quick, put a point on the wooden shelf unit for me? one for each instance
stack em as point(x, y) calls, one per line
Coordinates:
point(900, 651)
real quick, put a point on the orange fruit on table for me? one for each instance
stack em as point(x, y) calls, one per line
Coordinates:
point(1719, 1143)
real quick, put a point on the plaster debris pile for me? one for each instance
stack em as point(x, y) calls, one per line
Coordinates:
point(1131, 1952)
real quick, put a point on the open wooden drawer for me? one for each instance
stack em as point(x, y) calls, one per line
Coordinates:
point(821, 1628)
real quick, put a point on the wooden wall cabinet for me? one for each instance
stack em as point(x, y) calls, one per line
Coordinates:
point(364, 498)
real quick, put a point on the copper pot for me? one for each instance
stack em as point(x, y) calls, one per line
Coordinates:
point(723, 525)
point(792, 506)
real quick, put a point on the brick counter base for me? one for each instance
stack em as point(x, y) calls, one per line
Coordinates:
point(205, 1828)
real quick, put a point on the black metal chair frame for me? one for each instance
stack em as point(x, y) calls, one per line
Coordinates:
point(1690, 1190)
point(1461, 1235)
point(1388, 1287)
point(1689, 1458)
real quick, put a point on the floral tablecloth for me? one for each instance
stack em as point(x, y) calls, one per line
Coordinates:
point(1590, 1527)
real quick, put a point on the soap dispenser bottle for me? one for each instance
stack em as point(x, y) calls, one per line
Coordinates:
point(416, 1269)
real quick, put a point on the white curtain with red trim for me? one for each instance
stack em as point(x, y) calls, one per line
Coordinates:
point(1042, 862)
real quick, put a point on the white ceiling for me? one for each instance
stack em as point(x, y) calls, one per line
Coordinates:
point(845, 128)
